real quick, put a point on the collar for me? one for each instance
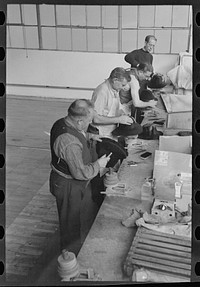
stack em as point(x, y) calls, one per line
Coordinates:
point(111, 88)
point(144, 50)
point(70, 124)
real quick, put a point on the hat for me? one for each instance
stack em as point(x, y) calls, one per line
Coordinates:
point(127, 130)
point(109, 145)
point(92, 129)
point(157, 82)
point(147, 95)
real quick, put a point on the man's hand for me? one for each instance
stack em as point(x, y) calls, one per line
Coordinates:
point(152, 103)
point(104, 160)
point(95, 137)
point(125, 120)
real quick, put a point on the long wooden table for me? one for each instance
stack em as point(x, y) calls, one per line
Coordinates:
point(108, 242)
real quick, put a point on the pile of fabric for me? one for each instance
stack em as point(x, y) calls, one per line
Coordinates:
point(171, 225)
point(153, 123)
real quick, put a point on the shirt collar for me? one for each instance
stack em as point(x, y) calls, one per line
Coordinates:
point(70, 124)
point(111, 88)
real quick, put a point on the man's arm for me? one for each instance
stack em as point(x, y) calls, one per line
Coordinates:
point(101, 100)
point(69, 149)
point(134, 85)
point(102, 120)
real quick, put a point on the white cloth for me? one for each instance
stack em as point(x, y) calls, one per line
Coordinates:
point(171, 228)
point(181, 77)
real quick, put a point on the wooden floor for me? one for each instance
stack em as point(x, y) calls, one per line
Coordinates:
point(31, 215)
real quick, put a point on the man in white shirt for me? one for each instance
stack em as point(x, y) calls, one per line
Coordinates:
point(106, 98)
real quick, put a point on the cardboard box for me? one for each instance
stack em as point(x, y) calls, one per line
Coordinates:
point(180, 121)
point(174, 143)
point(179, 111)
point(171, 167)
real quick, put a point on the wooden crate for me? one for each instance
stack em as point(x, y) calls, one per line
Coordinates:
point(160, 252)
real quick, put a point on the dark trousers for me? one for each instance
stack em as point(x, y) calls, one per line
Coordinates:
point(97, 186)
point(76, 210)
point(139, 111)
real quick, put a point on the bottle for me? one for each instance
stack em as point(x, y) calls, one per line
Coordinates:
point(178, 185)
point(146, 191)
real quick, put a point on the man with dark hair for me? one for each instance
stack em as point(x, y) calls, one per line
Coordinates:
point(142, 55)
point(106, 99)
point(73, 166)
point(131, 97)
point(131, 91)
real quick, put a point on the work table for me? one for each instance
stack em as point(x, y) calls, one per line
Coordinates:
point(108, 242)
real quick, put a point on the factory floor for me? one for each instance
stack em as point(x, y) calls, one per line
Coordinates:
point(28, 122)
point(32, 235)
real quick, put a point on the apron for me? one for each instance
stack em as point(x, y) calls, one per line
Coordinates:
point(105, 130)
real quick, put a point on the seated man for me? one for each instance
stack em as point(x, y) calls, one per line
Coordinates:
point(130, 96)
point(108, 114)
point(107, 102)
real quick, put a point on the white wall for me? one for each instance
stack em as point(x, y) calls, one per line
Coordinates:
point(66, 69)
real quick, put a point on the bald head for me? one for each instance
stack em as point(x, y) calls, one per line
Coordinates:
point(80, 108)
point(80, 114)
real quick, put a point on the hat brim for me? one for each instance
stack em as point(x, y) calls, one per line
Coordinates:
point(158, 86)
point(92, 129)
point(156, 82)
point(147, 95)
point(106, 146)
point(128, 130)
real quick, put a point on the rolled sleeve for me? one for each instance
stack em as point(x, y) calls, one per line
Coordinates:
point(73, 156)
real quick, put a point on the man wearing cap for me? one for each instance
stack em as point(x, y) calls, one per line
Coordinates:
point(73, 166)
point(106, 99)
